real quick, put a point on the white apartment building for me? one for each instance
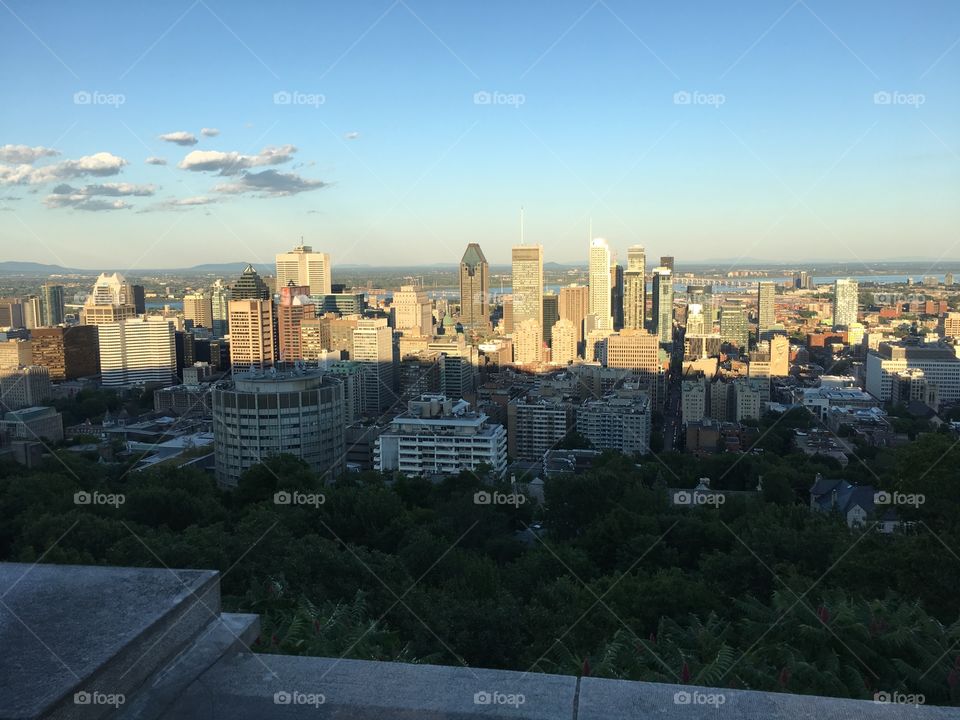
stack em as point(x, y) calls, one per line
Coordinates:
point(440, 436)
point(618, 422)
point(305, 267)
point(137, 351)
point(939, 363)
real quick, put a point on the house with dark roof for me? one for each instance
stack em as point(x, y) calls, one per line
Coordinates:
point(856, 503)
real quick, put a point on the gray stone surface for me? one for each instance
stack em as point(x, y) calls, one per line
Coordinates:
point(67, 629)
point(284, 687)
point(622, 699)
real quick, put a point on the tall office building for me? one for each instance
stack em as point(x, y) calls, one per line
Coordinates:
point(599, 279)
point(32, 314)
point(137, 351)
point(252, 341)
point(638, 352)
point(766, 306)
point(260, 415)
point(220, 296)
point(250, 286)
point(373, 350)
point(303, 266)
point(563, 348)
point(845, 302)
point(662, 310)
point(474, 288)
point(667, 262)
point(110, 302)
point(734, 327)
point(527, 342)
point(68, 353)
point(635, 288)
point(51, 304)
point(527, 280)
point(616, 294)
point(574, 306)
point(551, 313)
point(198, 307)
point(11, 313)
point(295, 307)
point(412, 311)
point(139, 295)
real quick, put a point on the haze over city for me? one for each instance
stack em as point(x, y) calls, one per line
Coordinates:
point(402, 130)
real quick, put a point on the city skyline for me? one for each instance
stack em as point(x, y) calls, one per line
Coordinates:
point(762, 128)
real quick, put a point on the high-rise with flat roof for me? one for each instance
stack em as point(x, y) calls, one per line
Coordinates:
point(252, 340)
point(198, 307)
point(551, 313)
point(137, 351)
point(635, 288)
point(474, 288)
point(52, 304)
point(528, 342)
point(32, 312)
point(574, 306)
point(412, 311)
point(616, 294)
point(303, 266)
point(766, 306)
point(295, 307)
point(599, 279)
point(68, 353)
point(662, 310)
point(734, 327)
point(563, 348)
point(11, 313)
point(220, 296)
point(845, 301)
point(373, 350)
point(527, 281)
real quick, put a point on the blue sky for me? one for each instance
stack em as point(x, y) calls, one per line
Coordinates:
point(700, 129)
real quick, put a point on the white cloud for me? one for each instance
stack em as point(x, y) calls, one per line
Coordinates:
point(353, 135)
point(24, 154)
point(99, 164)
point(209, 132)
point(155, 161)
point(180, 203)
point(180, 137)
point(87, 197)
point(233, 163)
point(270, 183)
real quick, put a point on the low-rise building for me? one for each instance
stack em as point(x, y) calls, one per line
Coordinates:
point(618, 422)
point(34, 423)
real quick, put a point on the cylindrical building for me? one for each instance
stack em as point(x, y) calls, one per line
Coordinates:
point(258, 415)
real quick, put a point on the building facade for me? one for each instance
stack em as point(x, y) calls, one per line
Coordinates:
point(474, 288)
point(304, 267)
point(137, 352)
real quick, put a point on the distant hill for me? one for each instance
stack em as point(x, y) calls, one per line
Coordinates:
point(16, 267)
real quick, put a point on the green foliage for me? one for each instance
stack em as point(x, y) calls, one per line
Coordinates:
point(761, 593)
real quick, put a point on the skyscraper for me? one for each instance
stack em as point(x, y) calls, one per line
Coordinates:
point(137, 351)
point(599, 279)
point(67, 352)
point(11, 313)
point(845, 301)
point(412, 311)
point(32, 314)
point(305, 268)
point(635, 288)
point(616, 294)
point(474, 288)
point(373, 349)
point(252, 340)
point(662, 310)
point(219, 300)
point(734, 328)
point(198, 307)
point(250, 286)
point(295, 307)
point(110, 301)
point(667, 262)
point(527, 280)
point(51, 302)
point(766, 306)
point(551, 313)
point(574, 305)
